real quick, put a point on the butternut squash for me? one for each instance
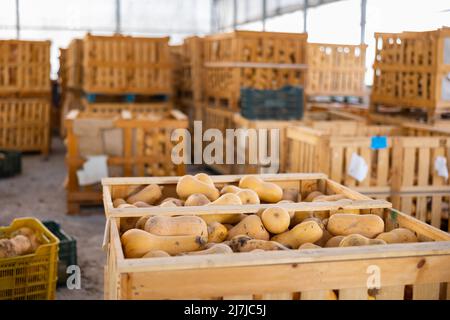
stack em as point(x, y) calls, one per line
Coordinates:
point(300, 216)
point(137, 243)
point(333, 197)
point(276, 220)
point(216, 248)
point(196, 199)
point(156, 254)
point(7, 249)
point(334, 242)
point(310, 197)
point(150, 194)
point(217, 232)
point(251, 226)
point(317, 220)
point(399, 235)
point(368, 225)
point(244, 243)
point(141, 204)
point(229, 188)
point(325, 237)
point(30, 234)
point(168, 204)
point(304, 232)
point(140, 223)
point(204, 178)
point(177, 202)
point(355, 240)
point(125, 205)
point(177, 226)
point(118, 202)
point(188, 185)
point(226, 199)
point(291, 213)
point(248, 196)
point(267, 191)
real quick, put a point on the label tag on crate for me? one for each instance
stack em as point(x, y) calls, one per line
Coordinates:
point(440, 165)
point(378, 142)
point(94, 169)
point(358, 168)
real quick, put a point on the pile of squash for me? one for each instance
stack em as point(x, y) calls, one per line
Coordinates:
point(273, 228)
point(20, 242)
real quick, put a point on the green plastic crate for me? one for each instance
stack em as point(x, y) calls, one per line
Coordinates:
point(67, 250)
point(10, 163)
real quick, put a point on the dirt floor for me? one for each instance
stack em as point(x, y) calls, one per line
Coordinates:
point(39, 192)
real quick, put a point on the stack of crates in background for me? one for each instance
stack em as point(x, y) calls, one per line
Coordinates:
point(242, 66)
point(411, 74)
point(336, 71)
point(118, 69)
point(404, 164)
point(25, 95)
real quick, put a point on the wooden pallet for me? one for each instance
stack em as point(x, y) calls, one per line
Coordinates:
point(410, 71)
point(146, 150)
point(124, 64)
point(24, 68)
point(191, 81)
point(284, 275)
point(260, 60)
point(74, 64)
point(406, 165)
point(336, 70)
point(25, 124)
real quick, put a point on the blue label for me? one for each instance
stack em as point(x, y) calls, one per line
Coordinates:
point(379, 142)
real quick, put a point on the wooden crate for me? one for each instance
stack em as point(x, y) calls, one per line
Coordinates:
point(411, 71)
point(146, 150)
point(429, 207)
point(361, 111)
point(124, 64)
point(259, 60)
point(406, 165)
point(74, 64)
point(283, 275)
point(336, 70)
point(24, 68)
point(25, 124)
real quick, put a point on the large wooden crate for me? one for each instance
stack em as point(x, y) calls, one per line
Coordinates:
point(24, 68)
point(259, 60)
point(406, 164)
point(25, 124)
point(407, 271)
point(336, 70)
point(411, 71)
point(146, 150)
point(124, 64)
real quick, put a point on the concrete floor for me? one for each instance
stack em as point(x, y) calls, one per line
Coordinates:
point(39, 192)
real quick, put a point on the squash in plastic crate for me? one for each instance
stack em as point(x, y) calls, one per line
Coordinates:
point(67, 250)
point(32, 276)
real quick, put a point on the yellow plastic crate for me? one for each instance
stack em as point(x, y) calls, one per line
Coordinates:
point(32, 276)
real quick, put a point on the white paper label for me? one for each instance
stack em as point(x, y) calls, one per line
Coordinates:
point(94, 169)
point(126, 114)
point(358, 168)
point(440, 165)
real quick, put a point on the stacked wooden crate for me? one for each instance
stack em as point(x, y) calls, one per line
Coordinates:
point(411, 73)
point(336, 70)
point(25, 95)
point(401, 163)
point(247, 59)
point(124, 83)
